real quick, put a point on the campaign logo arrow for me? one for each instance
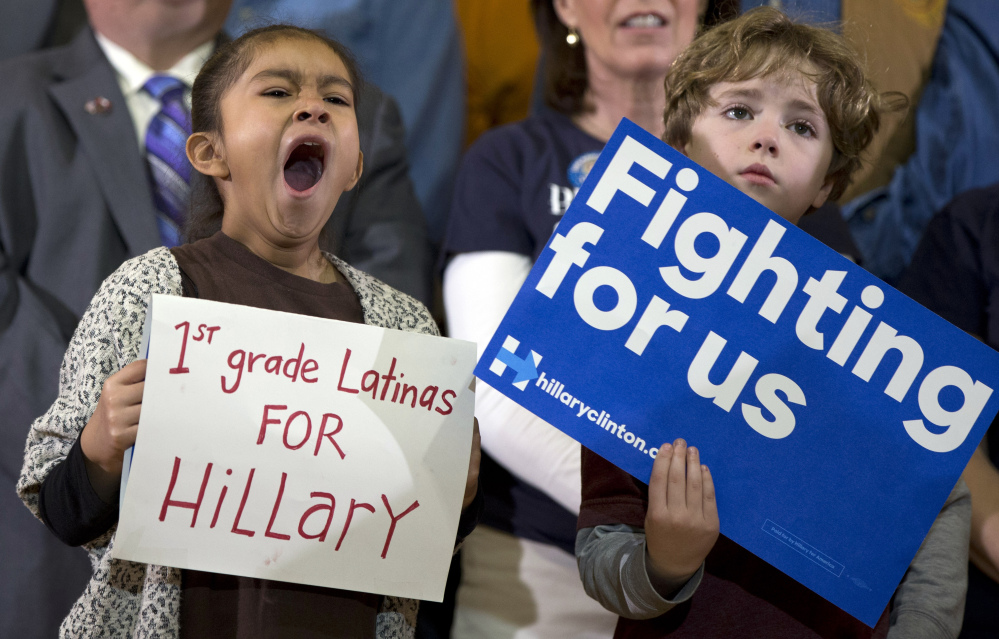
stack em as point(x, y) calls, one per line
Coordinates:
point(526, 367)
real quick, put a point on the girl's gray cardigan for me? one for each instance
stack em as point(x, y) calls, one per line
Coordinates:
point(125, 598)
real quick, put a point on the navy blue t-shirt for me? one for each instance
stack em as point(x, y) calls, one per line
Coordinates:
point(515, 183)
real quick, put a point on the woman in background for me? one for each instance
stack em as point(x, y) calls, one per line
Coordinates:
point(604, 60)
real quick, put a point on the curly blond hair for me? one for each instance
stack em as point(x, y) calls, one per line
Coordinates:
point(763, 43)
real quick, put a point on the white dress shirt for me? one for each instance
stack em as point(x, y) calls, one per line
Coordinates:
point(132, 74)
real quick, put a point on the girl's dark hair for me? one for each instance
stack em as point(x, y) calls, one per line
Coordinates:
point(564, 67)
point(218, 74)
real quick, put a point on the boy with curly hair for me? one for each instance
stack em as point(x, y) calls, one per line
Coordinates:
point(782, 112)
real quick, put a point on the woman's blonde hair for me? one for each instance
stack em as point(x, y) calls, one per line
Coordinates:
point(763, 43)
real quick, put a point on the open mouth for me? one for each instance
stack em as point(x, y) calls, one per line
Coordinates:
point(644, 21)
point(304, 167)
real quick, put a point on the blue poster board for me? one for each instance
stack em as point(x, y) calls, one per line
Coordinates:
point(835, 413)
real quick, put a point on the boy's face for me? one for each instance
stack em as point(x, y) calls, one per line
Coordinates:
point(769, 138)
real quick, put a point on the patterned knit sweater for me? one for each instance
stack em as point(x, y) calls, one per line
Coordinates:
point(124, 598)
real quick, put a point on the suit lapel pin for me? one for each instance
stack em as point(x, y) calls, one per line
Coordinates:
point(98, 106)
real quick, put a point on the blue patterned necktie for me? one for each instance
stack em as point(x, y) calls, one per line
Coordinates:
point(169, 170)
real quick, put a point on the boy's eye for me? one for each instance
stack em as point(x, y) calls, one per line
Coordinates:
point(738, 113)
point(336, 99)
point(276, 93)
point(802, 128)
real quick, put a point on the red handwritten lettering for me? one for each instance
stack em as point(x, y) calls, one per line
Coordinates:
point(193, 505)
point(308, 430)
point(329, 517)
point(298, 364)
point(180, 368)
point(239, 513)
point(444, 399)
point(428, 402)
point(388, 377)
point(407, 389)
point(274, 512)
point(350, 516)
point(201, 332)
point(343, 372)
point(218, 506)
point(395, 520)
point(235, 367)
point(253, 358)
point(329, 435)
point(273, 364)
point(309, 366)
point(372, 385)
point(267, 421)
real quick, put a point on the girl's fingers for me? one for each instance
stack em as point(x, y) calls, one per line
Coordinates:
point(132, 372)
point(659, 478)
point(130, 395)
point(129, 416)
point(693, 496)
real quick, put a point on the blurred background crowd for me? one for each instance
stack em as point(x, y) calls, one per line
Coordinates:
point(478, 121)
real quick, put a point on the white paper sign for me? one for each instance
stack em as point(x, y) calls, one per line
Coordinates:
point(299, 449)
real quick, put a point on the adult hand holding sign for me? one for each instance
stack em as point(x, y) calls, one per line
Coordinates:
point(111, 430)
point(681, 525)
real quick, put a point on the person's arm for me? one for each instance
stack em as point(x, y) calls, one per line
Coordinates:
point(929, 603)
point(614, 569)
point(640, 573)
point(983, 481)
point(378, 226)
point(478, 289)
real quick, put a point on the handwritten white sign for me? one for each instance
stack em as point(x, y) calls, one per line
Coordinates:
point(299, 449)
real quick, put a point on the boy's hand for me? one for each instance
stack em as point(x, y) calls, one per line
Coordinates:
point(681, 524)
point(472, 480)
point(112, 428)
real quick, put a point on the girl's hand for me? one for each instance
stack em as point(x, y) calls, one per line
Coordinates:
point(112, 428)
point(472, 480)
point(681, 524)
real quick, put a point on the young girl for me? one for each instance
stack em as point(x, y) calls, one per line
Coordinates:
point(276, 144)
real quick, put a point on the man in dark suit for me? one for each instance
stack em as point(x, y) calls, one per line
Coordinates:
point(75, 202)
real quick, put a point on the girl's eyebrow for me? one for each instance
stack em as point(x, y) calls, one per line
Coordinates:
point(295, 77)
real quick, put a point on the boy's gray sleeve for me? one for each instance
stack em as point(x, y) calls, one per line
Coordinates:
point(929, 603)
point(612, 566)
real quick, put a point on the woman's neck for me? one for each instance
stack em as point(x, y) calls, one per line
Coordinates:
point(612, 98)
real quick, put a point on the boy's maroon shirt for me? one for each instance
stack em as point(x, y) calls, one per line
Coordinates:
point(740, 595)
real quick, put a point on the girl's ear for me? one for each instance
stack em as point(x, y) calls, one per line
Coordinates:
point(205, 152)
point(357, 171)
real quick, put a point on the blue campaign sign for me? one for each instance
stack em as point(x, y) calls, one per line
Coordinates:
point(835, 413)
